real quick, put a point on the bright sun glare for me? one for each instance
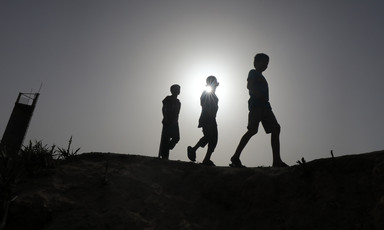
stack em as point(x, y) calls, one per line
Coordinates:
point(208, 88)
point(194, 82)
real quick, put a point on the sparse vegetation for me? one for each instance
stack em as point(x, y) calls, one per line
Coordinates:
point(40, 156)
point(301, 162)
point(68, 152)
point(30, 161)
point(37, 156)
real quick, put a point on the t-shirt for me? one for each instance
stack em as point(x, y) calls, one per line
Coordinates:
point(171, 110)
point(209, 106)
point(258, 92)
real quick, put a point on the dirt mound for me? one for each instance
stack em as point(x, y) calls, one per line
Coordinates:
point(116, 191)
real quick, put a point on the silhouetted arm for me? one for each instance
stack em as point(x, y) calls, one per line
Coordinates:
point(252, 87)
point(178, 108)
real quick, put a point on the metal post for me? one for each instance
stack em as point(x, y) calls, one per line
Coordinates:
point(18, 123)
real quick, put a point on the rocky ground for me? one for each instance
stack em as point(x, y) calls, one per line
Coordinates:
point(116, 191)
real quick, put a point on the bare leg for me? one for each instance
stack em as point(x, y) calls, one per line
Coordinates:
point(243, 142)
point(208, 156)
point(275, 142)
point(199, 144)
point(164, 145)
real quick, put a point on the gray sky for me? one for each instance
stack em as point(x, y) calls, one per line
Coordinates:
point(107, 65)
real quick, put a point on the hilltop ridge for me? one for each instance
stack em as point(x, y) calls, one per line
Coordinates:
point(119, 191)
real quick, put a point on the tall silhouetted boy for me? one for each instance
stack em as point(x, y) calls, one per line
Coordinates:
point(260, 110)
point(170, 135)
point(207, 121)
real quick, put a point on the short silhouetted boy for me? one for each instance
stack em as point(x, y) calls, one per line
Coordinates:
point(260, 110)
point(170, 135)
point(207, 121)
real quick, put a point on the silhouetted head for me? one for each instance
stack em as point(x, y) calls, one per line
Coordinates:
point(212, 81)
point(175, 89)
point(261, 62)
point(211, 84)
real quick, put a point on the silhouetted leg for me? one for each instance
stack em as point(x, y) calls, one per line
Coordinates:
point(254, 117)
point(164, 144)
point(208, 155)
point(161, 143)
point(191, 151)
point(174, 135)
point(243, 142)
point(165, 149)
point(275, 142)
point(166, 155)
point(211, 134)
point(173, 142)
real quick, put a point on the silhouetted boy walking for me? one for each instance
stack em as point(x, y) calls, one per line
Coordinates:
point(170, 135)
point(260, 110)
point(207, 121)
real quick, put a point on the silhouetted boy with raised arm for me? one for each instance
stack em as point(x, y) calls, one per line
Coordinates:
point(207, 121)
point(260, 110)
point(170, 135)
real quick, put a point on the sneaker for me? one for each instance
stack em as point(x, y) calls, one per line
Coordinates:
point(236, 163)
point(208, 163)
point(191, 154)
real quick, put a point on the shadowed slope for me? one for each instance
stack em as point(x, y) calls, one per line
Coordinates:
point(148, 193)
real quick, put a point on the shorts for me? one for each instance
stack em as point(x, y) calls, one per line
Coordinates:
point(210, 137)
point(265, 116)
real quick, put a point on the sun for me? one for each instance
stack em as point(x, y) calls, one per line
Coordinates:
point(193, 82)
point(208, 89)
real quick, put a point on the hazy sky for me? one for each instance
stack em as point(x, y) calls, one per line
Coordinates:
point(107, 65)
